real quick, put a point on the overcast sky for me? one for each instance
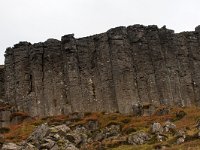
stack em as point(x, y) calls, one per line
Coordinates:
point(38, 20)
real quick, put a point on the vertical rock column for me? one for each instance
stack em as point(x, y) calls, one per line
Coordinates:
point(171, 79)
point(2, 91)
point(37, 80)
point(22, 75)
point(53, 77)
point(72, 74)
point(102, 72)
point(9, 76)
point(183, 55)
point(193, 46)
point(87, 61)
point(144, 70)
point(17, 75)
point(122, 69)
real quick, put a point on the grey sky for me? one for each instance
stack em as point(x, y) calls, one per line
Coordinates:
point(38, 20)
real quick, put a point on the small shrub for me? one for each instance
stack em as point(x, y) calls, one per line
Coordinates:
point(4, 130)
point(180, 115)
point(87, 114)
point(129, 130)
point(127, 120)
point(57, 120)
point(23, 115)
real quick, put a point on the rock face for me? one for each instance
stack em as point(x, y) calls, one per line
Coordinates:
point(1, 81)
point(107, 72)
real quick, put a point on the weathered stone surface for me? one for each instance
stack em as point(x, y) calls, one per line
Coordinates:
point(156, 128)
point(138, 138)
point(1, 81)
point(169, 126)
point(109, 72)
point(39, 134)
point(10, 146)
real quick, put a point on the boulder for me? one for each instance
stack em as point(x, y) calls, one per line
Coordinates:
point(10, 146)
point(112, 130)
point(156, 128)
point(48, 144)
point(138, 138)
point(92, 125)
point(59, 130)
point(169, 126)
point(181, 133)
point(161, 137)
point(39, 133)
point(180, 140)
point(28, 146)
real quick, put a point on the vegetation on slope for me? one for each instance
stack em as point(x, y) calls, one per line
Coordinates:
point(183, 118)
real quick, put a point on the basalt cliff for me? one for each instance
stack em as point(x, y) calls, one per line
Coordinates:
point(108, 72)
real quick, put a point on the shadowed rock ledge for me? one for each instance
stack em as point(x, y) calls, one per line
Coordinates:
point(108, 72)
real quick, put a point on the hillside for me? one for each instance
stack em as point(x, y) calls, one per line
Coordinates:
point(177, 129)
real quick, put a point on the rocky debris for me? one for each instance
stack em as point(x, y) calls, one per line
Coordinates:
point(62, 137)
point(169, 126)
point(156, 128)
point(27, 146)
point(91, 136)
point(161, 137)
point(181, 136)
point(92, 125)
point(38, 135)
point(52, 138)
point(60, 128)
point(138, 138)
point(107, 72)
point(180, 140)
point(112, 130)
point(10, 146)
point(181, 133)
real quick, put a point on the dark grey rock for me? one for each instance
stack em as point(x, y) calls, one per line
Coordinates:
point(38, 135)
point(2, 88)
point(107, 72)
